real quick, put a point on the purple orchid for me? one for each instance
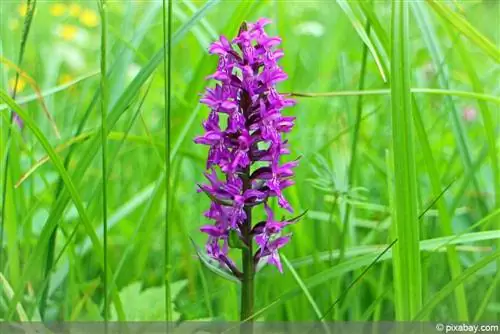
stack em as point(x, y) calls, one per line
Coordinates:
point(244, 131)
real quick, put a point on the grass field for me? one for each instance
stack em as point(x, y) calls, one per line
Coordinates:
point(397, 129)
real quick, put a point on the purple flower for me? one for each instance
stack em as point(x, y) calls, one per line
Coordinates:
point(246, 144)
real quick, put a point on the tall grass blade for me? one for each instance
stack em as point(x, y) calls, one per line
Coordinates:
point(167, 66)
point(491, 137)
point(73, 194)
point(116, 112)
point(439, 62)
point(408, 280)
point(354, 145)
point(12, 228)
point(444, 215)
point(104, 131)
point(301, 284)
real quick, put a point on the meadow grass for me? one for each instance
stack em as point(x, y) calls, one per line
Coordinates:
point(397, 130)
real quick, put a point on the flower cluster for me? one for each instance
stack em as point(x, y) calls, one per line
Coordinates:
point(244, 131)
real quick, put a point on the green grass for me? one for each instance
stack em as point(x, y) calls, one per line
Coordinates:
point(99, 203)
point(104, 143)
point(407, 262)
point(167, 64)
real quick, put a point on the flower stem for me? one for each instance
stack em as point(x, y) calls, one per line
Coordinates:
point(247, 287)
point(247, 284)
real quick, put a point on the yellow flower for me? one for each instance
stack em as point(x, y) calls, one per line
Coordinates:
point(20, 84)
point(22, 9)
point(58, 9)
point(68, 32)
point(74, 10)
point(89, 18)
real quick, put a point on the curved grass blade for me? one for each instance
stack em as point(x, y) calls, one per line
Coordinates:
point(465, 28)
point(69, 185)
point(306, 292)
point(444, 215)
point(442, 293)
point(9, 293)
point(369, 260)
point(360, 276)
point(4, 206)
point(326, 275)
point(36, 88)
point(52, 91)
point(112, 135)
point(364, 37)
point(117, 110)
point(487, 297)
point(367, 9)
point(429, 245)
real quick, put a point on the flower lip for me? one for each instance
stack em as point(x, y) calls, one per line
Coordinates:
point(212, 231)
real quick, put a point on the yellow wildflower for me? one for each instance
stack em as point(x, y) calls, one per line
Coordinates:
point(68, 32)
point(58, 9)
point(20, 84)
point(74, 10)
point(89, 18)
point(22, 9)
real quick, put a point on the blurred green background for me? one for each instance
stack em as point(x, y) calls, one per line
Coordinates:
point(348, 222)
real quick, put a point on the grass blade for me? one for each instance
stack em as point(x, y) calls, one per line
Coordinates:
point(302, 286)
point(104, 158)
point(51, 91)
point(408, 280)
point(451, 286)
point(167, 66)
point(116, 112)
point(465, 28)
point(12, 228)
point(439, 61)
point(432, 91)
point(69, 185)
point(364, 35)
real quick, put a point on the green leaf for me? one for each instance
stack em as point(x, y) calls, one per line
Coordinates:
point(148, 304)
point(214, 266)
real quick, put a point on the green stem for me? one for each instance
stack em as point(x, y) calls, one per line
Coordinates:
point(247, 287)
point(247, 284)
